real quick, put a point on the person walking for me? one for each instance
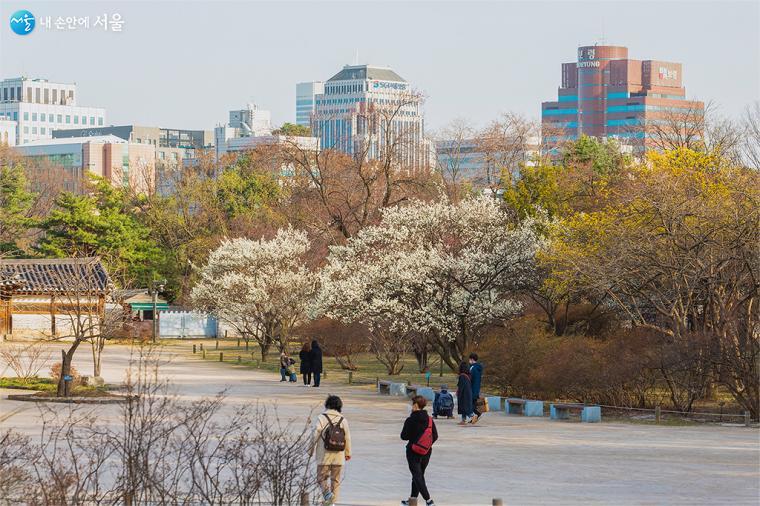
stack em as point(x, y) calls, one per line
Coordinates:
point(420, 433)
point(464, 394)
point(316, 361)
point(476, 377)
point(305, 357)
point(284, 366)
point(332, 444)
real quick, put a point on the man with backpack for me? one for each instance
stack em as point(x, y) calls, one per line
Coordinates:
point(443, 403)
point(332, 442)
point(420, 432)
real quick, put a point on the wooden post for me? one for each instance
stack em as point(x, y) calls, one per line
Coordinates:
point(240, 359)
point(746, 418)
point(497, 502)
point(440, 374)
point(246, 345)
point(193, 349)
point(217, 344)
point(204, 354)
point(350, 377)
point(221, 357)
point(225, 334)
point(238, 342)
point(657, 414)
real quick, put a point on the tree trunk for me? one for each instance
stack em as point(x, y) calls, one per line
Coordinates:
point(66, 358)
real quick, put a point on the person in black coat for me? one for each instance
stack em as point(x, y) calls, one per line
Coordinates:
point(305, 356)
point(316, 361)
point(414, 427)
point(464, 394)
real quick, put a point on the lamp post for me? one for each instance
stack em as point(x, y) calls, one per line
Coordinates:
point(155, 287)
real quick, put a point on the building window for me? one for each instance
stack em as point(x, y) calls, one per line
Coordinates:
point(34, 130)
point(47, 96)
point(55, 96)
point(84, 120)
point(76, 119)
point(34, 116)
point(92, 120)
point(42, 130)
point(26, 130)
point(60, 118)
point(68, 119)
point(100, 121)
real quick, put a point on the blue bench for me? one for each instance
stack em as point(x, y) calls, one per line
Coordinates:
point(426, 392)
point(385, 387)
point(588, 414)
point(525, 407)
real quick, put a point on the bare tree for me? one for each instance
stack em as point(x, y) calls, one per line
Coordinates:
point(26, 360)
point(751, 136)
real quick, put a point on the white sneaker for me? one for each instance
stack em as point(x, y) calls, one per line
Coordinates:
point(430, 503)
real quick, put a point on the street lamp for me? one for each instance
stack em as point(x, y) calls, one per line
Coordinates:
point(155, 288)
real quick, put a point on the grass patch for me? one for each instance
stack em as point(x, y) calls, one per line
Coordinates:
point(46, 385)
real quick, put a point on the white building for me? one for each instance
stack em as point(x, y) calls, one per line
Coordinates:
point(8, 132)
point(361, 105)
point(306, 100)
point(248, 122)
point(39, 106)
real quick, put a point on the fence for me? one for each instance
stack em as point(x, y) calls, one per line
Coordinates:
point(182, 324)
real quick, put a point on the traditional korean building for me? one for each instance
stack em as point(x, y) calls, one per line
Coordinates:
point(39, 297)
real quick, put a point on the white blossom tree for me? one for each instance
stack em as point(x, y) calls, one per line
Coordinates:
point(261, 288)
point(438, 269)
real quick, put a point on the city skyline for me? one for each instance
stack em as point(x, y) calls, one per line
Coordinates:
point(494, 66)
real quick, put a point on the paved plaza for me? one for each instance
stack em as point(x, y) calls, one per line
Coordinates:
point(521, 460)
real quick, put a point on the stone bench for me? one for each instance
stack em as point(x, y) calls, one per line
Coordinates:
point(427, 392)
point(385, 387)
point(524, 407)
point(588, 414)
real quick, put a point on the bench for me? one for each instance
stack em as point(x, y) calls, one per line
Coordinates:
point(525, 407)
point(426, 392)
point(385, 387)
point(588, 414)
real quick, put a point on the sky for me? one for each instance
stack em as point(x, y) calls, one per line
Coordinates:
point(185, 64)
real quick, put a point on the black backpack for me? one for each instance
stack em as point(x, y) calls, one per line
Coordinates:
point(334, 436)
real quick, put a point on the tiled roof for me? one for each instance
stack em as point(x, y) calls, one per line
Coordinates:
point(57, 275)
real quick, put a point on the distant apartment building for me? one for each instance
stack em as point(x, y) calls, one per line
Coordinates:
point(243, 123)
point(605, 94)
point(8, 132)
point(465, 160)
point(366, 110)
point(173, 146)
point(124, 164)
point(39, 106)
point(306, 100)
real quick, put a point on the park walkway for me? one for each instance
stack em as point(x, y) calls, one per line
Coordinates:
point(522, 460)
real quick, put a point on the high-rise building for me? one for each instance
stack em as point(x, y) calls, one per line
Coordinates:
point(306, 96)
point(123, 163)
point(366, 111)
point(39, 106)
point(247, 123)
point(606, 94)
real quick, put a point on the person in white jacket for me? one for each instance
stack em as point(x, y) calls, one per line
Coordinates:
point(330, 462)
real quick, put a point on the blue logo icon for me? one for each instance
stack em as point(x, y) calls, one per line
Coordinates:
point(22, 22)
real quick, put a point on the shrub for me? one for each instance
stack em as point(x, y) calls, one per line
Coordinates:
point(55, 373)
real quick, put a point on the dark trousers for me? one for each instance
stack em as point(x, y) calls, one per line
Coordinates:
point(307, 378)
point(417, 465)
point(316, 378)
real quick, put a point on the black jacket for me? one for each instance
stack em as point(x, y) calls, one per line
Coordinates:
point(305, 357)
point(316, 358)
point(415, 425)
point(464, 395)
